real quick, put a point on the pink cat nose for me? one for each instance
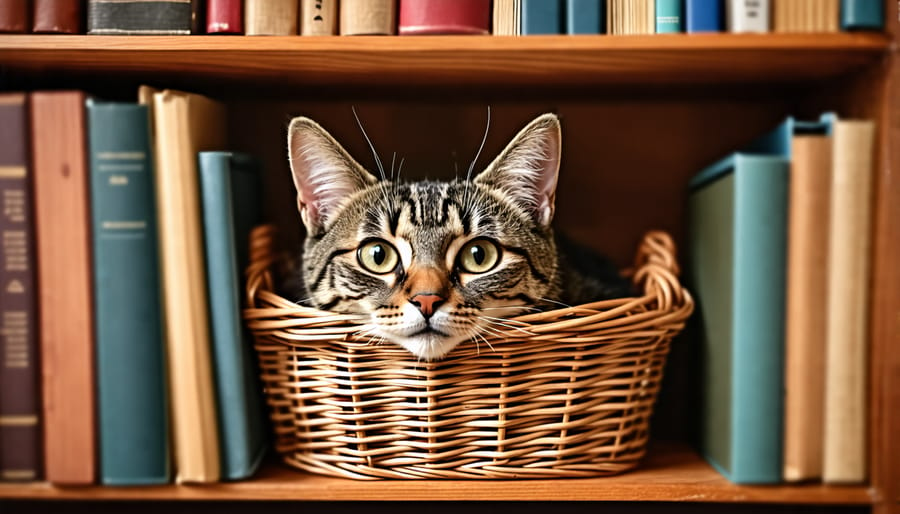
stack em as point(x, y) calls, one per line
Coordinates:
point(427, 303)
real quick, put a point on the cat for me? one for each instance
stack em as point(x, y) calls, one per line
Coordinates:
point(431, 264)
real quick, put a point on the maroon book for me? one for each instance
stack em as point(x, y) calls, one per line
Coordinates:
point(58, 16)
point(445, 17)
point(14, 16)
point(20, 442)
point(225, 16)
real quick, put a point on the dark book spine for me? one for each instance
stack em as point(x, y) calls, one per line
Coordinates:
point(14, 16)
point(58, 16)
point(163, 17)
point(19, 399)
point(225, 17)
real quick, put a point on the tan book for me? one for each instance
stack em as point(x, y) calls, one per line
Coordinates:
point(271, 17)
point(318, 17)
point(185, 124)
point(368, 17)
point(849, 254)
point(66, 327)
point(804, 379)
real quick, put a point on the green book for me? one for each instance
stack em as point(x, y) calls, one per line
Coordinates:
point(669, 16)
point(131, 370)
point(229, 197)
point(738, 239)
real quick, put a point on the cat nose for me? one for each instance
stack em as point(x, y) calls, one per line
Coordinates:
point(427, 303)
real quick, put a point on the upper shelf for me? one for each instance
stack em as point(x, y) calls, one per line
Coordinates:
point(455, 60)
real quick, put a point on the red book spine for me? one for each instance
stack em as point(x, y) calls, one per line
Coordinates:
point(224, 17)
point(445, 17)
point(58, 16)
point(14, 16)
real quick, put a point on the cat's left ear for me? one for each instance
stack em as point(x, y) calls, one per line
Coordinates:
point(526, 170)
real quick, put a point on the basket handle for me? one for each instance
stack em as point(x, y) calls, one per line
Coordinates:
point(657, 269)
point(262, 259)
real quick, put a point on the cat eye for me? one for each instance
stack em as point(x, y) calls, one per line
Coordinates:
point(478, 256)
point(377, 256)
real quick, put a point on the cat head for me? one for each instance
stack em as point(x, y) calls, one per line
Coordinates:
point(428, 264)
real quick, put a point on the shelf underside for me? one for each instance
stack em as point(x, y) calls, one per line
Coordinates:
point(450, 61)
point(669, 473)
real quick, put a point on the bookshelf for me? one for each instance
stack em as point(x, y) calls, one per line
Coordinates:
point(640, 115)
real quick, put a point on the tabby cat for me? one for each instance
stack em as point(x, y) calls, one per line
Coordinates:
point(431, 264)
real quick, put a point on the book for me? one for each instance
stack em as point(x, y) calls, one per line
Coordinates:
point(135, 17)
point(805, 16)
point(318, 17)
point(669, 16)
point(65, 291)
point(747, 15)
point(862, 15)
point(183, 125)
point(444, 17)
point(542, 17)
point(225, 17)
point(229, 188)
point(271, 17)
point(506, 17)
point(847, 311)
point(631, 17)
point(585, 16)
point(131, 388)
point(20, 430)
point(14, 16)
point(738, 231)
point(703, 16)
point(368, 17)
point(58, 16)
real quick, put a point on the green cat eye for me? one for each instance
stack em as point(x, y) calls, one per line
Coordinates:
point(377, 256)
point(478, 256)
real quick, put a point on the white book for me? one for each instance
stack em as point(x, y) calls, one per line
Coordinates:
point(748, 15)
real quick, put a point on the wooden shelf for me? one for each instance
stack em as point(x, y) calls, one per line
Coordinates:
point(670, 473)
point(456, 60)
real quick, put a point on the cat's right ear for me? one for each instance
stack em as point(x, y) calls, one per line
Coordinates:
point(324, 173)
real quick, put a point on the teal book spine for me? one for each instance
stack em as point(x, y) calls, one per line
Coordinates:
point(738, 246)
point(585, 16)
point(542, 17)
point(862, 15)
point(131, 370)
point(669, 16)
point(229, 193)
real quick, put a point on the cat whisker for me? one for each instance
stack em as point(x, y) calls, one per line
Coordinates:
point(371, 146)
point(548, 300)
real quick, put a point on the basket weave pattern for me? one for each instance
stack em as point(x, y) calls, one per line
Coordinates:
point(562, 393)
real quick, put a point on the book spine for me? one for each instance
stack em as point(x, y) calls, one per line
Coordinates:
point(862, 15)
point(14, 16)
point(669, 17)
point(444, 17)
point(20, 444)
point(748, 15)
point(542, 17)
point(585, 16)
point(318, 17)
point(368, 17)
point(703, 16)
point(225, 17)
point(132, 421)
point(163, 17)
point(271, 17)
point(62, 225)
point(58, 16)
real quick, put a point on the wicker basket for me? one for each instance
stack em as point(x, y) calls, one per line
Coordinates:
point(564, 393)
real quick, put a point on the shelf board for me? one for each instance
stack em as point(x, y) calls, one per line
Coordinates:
point(670, 473)
point(455, 60)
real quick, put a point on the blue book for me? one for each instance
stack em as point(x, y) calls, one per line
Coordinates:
point(669, 16)
point(704, 16)
point(229, 197)
point(862, 15)
point(738, 236)
point(778, 141)
point(542, 17)
point(585, 16)
point(130, 349)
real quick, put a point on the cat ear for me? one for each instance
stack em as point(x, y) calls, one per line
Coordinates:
point(526, 170)
point(324, 173)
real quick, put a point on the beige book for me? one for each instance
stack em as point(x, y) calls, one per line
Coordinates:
point(372, 17)
point(185, 124)
point(271, 17)
point(810, 190)
point(318, 17)
point(848, 302)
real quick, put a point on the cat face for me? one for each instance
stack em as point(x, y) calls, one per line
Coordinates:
point(428, 264)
